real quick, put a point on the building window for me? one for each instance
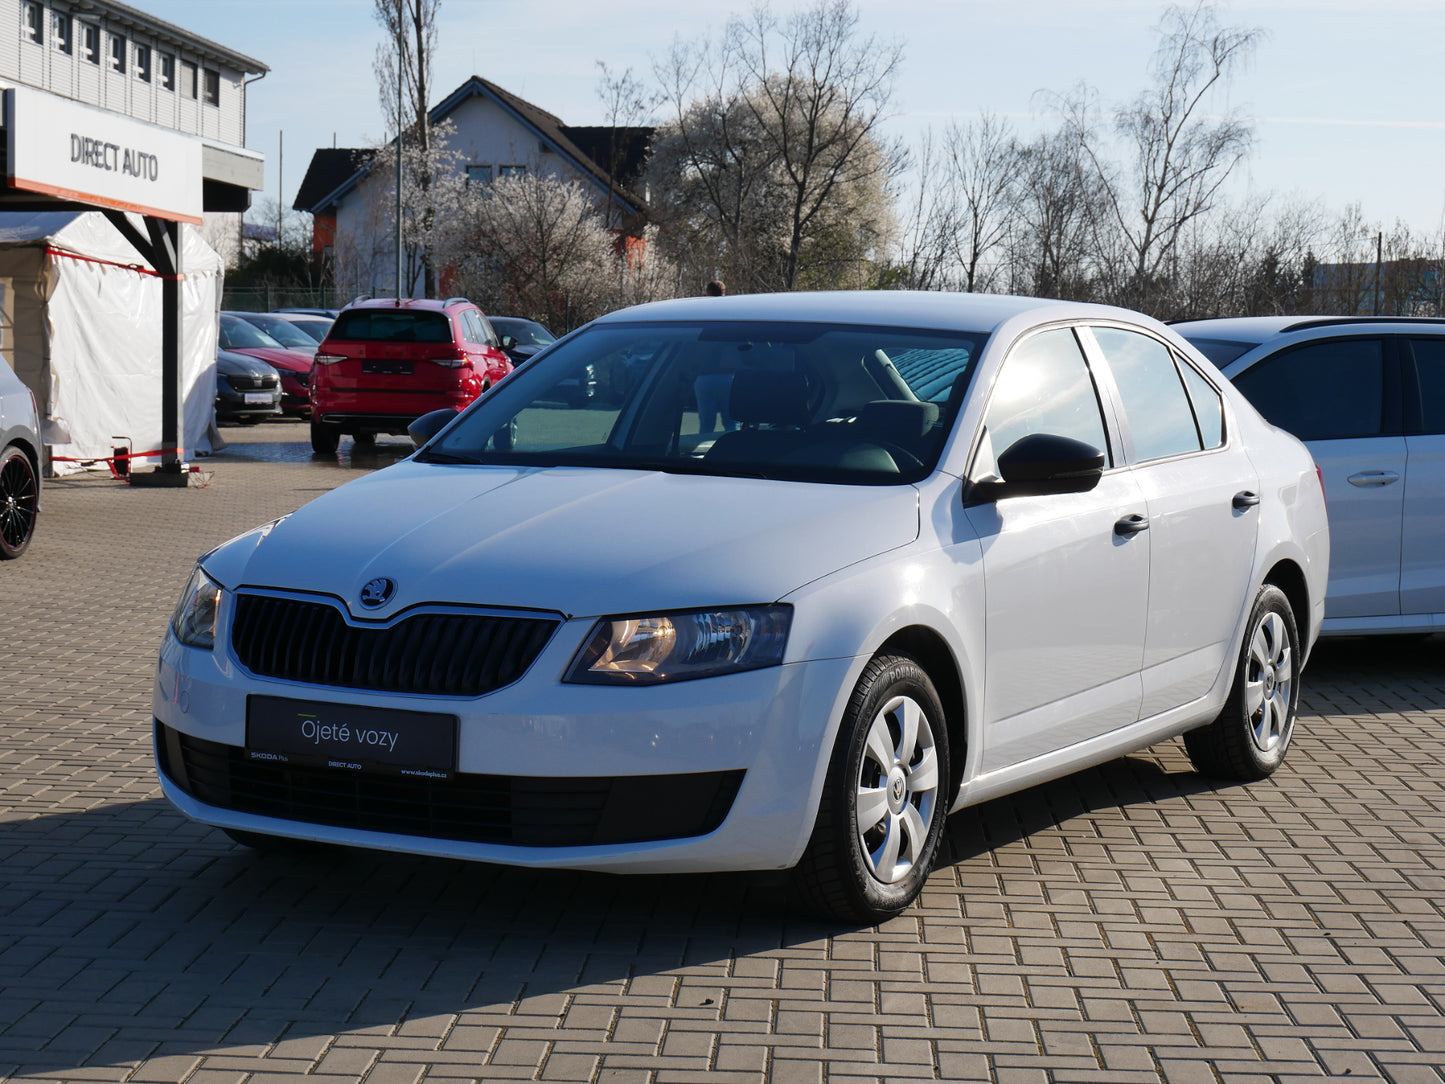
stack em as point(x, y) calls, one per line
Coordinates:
point(168, 71)
point(213, 87)
point(61, 28)
point(90, 42)
point(117, 53)
point(512, 171)
point(35, 22)
point(188, 79)
point(479, 174)
point(143, 63)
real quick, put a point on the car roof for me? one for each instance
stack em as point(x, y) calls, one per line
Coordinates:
point(1260, 329)
point(907, 308)
point(434, 304)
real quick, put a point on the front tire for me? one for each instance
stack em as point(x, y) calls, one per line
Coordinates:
point(884, 800)
point(1249, 738)
point(19, 502)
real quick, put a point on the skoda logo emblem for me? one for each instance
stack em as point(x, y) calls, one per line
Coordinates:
point(378, 592)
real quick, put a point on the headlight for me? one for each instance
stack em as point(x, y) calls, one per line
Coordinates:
point(675, 647)
point(194, 622)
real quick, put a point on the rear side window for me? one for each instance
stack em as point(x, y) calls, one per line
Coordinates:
point(391, 326)
point(1161, 419)
point(1322, 391)
point(1430, 376)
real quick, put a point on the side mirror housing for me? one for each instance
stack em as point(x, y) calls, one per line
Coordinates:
point(429, 425)
point(1041, 464)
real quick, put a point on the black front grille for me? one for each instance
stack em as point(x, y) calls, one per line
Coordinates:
point(444, 654)
point(524, 811)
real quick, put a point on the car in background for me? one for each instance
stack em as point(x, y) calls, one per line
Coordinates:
point(523, 339)
point(1367, 397)
point(281, 329)
point(329, 314)
point(315, 327)
point(386, 362)
point(956, 545)
point(294, 366)
point(247, 389)
point(20, 452)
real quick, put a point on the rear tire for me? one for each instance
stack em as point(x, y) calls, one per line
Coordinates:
point(884, 800)
point(365, 438)
point(1249, 738)
point(325, 439)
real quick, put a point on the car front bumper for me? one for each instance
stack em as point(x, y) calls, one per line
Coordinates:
point(765, 733)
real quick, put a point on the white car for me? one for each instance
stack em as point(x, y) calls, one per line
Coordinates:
point(1367, 396)
point(938, 548)
point(20, 452)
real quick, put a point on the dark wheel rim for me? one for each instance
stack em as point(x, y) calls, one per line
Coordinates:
point(18, 493)
point(897, 789)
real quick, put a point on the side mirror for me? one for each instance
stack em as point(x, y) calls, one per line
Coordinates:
point(508, 341)
point(429, 425)
point(1041, 464)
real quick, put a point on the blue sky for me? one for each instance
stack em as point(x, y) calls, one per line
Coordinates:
point(1346, 93)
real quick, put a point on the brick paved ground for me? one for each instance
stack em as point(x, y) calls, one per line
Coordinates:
point(1134, 923)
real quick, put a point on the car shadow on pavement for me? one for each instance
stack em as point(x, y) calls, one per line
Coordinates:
point(128, 912)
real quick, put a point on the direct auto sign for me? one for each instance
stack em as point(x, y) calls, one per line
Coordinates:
point(73, 151)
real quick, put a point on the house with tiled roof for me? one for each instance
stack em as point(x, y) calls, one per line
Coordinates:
point(496, 134)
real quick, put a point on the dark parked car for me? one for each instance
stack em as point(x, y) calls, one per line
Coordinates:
point(281, 329)
point(19, 464)
point(247, 389)
point(522, 339)
point(294, 366)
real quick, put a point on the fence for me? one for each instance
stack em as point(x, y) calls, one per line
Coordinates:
point(266, 298)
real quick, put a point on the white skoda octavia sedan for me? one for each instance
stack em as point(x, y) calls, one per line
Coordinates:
point(822, 569)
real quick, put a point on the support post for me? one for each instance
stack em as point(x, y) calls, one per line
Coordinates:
point(164, 253)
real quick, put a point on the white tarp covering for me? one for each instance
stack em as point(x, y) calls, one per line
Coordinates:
point(82, 316)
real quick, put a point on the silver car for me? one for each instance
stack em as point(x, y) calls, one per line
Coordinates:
point(1367, 396)
point(19, 465)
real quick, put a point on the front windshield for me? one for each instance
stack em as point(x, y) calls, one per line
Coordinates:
point(283, 331)
point(803, 402)
point(526, 332)
point(237, 334)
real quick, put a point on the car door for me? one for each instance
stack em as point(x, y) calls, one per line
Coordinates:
point(1203, 499)
point(1422, 542)
point(1341, 397)
point(1066, 592)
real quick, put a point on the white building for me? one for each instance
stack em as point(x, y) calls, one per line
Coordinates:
point(496, 134)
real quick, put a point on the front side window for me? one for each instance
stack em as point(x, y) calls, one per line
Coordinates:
point(1161, 421)
point(117, 54)
point(786, 401)
point(35, 22)
point(1045, 387)
point(1330, 390)
point(213, 87)
point(237, 334)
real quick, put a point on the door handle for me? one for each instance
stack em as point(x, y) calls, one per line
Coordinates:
point(1245, 499)
point(1366, 478)
point(1131, 524)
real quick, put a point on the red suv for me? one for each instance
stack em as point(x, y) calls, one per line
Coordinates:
point(385, 363)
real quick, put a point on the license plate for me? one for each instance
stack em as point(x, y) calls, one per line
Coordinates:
point(378, 367)
point(349, 737)
point(259, 397)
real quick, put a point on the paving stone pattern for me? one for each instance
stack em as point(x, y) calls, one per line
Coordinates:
point(1133, 923)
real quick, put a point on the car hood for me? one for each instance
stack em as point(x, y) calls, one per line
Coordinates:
point(289, 360)
point(579, 541)
point(230, 363)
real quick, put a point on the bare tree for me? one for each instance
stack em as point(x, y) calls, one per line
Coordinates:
point(983, 155)
point(1058, 235)
point(626, 104)
point(1179, 153)
point(772, 131)
point(930, 222)
point(403, 69)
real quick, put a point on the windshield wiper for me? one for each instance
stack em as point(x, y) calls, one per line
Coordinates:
point(444, 457)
